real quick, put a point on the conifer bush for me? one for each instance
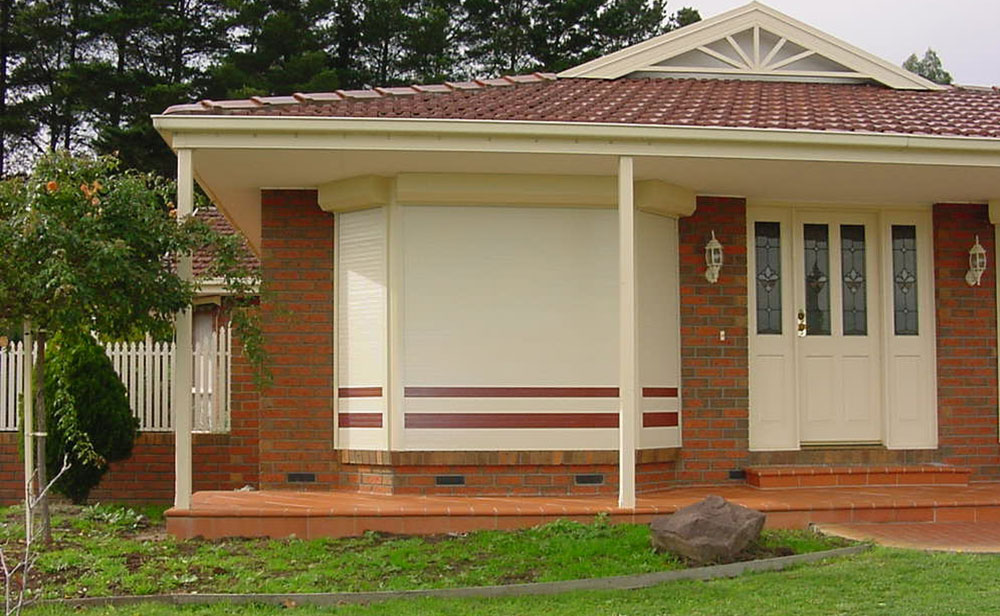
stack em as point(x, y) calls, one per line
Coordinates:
point(88, 414)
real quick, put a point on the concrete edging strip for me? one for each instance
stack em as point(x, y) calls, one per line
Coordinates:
point(621, 582)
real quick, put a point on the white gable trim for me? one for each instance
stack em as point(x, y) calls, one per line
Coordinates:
point(757, 62)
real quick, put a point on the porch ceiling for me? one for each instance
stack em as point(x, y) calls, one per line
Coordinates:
point(234, 177)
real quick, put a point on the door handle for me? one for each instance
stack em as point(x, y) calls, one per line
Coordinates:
point(802, 328)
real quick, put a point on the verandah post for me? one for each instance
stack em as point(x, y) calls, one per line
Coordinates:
point(182, 382)
point(628, 372)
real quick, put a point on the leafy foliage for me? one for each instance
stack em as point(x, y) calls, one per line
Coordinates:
point(929, 67)
point(89, 248)
point(89, 418)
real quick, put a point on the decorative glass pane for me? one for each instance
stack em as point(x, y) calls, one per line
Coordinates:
point(904, 280)
point(768, 255)
point(855, 295)
point(817, 261)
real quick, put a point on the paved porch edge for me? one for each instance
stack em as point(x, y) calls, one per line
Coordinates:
point(622, 582)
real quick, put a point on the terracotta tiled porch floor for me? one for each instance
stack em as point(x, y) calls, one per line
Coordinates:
point(318, 514)
point(945, 536)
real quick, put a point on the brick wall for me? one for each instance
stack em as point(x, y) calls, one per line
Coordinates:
point(966, 345)
point(714, 374)
point(296, 412)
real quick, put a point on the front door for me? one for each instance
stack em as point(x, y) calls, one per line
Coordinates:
point(837, 308)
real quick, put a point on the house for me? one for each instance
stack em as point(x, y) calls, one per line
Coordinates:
point(741, 244)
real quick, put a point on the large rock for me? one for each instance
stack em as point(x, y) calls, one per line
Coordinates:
point(713, 530)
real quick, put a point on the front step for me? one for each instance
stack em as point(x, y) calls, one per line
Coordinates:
point(771, 477)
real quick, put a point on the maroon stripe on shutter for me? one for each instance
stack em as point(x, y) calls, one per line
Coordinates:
point(360, 392)
point(359, 420)
point(511, 392)
point(511, 420)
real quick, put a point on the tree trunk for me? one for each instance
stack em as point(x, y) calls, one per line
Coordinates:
point(45, 527)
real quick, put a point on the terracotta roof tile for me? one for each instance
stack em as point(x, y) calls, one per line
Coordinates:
point(215, 219)
point(669, 102)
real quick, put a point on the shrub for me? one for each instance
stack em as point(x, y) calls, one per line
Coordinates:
point(88, 413)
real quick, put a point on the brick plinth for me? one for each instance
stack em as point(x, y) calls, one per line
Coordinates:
point(296, 412)
point(966, 342)
point(714, 373)
point(492, 473)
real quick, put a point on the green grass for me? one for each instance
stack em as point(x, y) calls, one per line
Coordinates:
point(114, 550)
point(877, 582)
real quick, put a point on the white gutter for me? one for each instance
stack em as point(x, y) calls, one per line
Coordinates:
point(291, 132)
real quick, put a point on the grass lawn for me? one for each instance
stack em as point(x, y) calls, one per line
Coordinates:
point(109, 550)
point(113, 550)
point(881, 581)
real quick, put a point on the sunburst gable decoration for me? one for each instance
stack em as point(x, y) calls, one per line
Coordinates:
point(751, 42)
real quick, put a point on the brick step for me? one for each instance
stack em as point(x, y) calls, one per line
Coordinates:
point(771, 477)
point(340, 514)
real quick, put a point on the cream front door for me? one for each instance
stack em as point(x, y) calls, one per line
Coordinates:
point(837, 310)
point(842, 328)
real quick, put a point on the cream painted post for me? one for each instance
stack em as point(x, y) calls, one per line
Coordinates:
point(27, 370)
point(628, 357)
point(182, 381)
point(394, 399)
point(995, 221)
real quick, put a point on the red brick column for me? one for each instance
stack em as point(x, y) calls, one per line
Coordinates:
point(296, 412)
point(966, 341)
point(714, 373)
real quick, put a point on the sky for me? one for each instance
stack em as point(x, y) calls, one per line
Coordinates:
point(964, 33)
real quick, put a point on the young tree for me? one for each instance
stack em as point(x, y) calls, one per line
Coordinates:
point(929, 67)
point(90, 248)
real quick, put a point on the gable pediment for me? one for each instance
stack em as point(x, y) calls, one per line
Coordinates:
point(751, 42)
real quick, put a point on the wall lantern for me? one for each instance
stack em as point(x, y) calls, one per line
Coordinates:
point(713, 259)
point(977, 264)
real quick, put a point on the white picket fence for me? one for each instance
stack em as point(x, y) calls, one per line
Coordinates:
point(145, 369)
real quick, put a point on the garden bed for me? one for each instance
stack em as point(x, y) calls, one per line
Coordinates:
point(106, 550)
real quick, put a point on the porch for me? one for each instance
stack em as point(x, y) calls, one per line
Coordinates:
point(311, 515)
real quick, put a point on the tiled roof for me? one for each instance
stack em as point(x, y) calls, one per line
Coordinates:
point(215, 219)
point(669, 102)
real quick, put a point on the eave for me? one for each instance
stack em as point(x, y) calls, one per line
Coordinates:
point(526, 137)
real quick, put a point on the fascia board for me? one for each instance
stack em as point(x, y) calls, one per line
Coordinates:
point(241, 132)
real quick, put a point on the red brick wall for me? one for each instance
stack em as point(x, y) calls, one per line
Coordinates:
point(966, 345)
point(296, 412)
point(714, 374)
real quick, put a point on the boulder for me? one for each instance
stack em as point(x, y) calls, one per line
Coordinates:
point(713, 530)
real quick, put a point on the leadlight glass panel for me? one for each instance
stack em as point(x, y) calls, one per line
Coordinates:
point(855, 291)
point(904, 280)
point(817, 279)
point(768, 274)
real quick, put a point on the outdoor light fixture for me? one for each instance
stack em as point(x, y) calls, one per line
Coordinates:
point(977, 264)
point(713, 259)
